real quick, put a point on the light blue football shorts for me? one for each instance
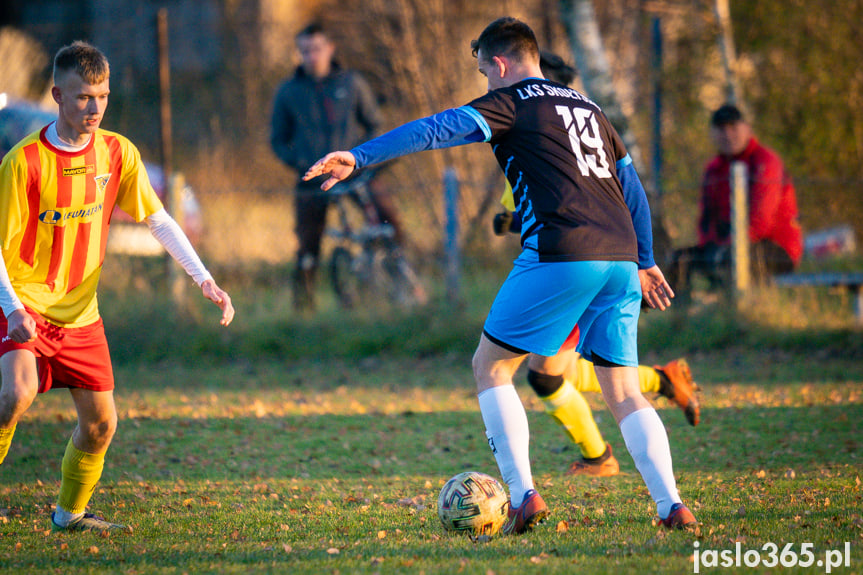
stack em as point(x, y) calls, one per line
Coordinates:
point(540, 303)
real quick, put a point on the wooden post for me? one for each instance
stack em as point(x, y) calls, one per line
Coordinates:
point(175, 274)
point(451, 195)
point(740, 228)
point(656, 69)
point(165, 95)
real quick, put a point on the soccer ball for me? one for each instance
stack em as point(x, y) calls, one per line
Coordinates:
point(472, 502)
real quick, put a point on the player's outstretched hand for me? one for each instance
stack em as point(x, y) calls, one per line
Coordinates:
point(339, 165)
point(655, 290)
point(221, 298)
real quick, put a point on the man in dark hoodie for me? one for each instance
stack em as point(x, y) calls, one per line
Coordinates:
point(322, 107)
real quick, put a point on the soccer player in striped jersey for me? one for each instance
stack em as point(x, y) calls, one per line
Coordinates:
point(58, 188)
point(586, 260)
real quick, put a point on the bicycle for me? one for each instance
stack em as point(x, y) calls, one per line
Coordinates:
point(367, 262)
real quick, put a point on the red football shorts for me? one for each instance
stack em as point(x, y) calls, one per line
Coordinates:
point(67, 357)
point(571, 339)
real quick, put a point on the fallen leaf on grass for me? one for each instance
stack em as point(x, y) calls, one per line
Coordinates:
point(93, 550)
point(539, 558)
point(562, 527)
point(333, 551)
point(382, 534)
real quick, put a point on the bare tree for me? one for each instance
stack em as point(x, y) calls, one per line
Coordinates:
point(579, 20)
point(726, 45)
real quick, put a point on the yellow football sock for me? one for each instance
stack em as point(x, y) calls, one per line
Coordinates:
point(5, 441)
point(568, 407)
point(648, 378)
point(81, 473)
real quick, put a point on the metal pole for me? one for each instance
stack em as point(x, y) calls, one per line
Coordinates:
point(740, 228)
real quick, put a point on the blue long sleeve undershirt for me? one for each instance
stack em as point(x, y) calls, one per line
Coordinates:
point(639, 209)
point(453, 127)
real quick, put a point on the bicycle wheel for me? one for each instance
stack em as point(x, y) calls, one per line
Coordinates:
point(345, 277)
point(404, 288)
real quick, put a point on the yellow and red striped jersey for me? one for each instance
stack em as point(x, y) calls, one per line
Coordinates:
point(55, 209)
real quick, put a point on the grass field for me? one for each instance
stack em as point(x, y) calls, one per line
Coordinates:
point(260, 449)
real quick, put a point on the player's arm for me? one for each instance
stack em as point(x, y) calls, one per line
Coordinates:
point(168, 232)
point(21, 327)
point(654, 288)
point(636, 200)
point(453, 127)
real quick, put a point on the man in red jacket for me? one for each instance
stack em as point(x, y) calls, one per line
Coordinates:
point(775, 237)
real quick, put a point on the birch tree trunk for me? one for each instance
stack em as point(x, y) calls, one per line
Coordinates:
point(579, 20)
point(726, 48)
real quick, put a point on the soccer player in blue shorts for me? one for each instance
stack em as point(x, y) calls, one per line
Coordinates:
point(587, 255)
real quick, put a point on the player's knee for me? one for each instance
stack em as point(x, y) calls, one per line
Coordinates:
point(16, 397)
point(480, 368)
point(101, 432)
point(544, 384)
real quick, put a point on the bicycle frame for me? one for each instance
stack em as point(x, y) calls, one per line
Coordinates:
point(367, 264)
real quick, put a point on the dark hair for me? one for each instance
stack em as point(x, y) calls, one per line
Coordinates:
point(725, 115)
point(311, 29)
point(508, 37)
point(554, 68)
point(83, 59)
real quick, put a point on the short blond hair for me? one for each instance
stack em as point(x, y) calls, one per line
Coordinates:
point(85, 60)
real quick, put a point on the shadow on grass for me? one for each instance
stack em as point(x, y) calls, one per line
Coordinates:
point(436, 445)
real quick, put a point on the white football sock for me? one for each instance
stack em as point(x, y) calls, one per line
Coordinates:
point(647, 442)
point(509, 438)
point(63, 517)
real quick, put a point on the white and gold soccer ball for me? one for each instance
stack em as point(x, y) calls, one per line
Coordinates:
point(473, 502)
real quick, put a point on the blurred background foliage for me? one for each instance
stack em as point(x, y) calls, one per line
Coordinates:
point(797, 66)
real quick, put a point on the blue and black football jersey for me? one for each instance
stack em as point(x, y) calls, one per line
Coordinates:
point(560, 155)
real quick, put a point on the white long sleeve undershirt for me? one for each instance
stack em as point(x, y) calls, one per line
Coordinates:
point(9, 302)
point(168, 232)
